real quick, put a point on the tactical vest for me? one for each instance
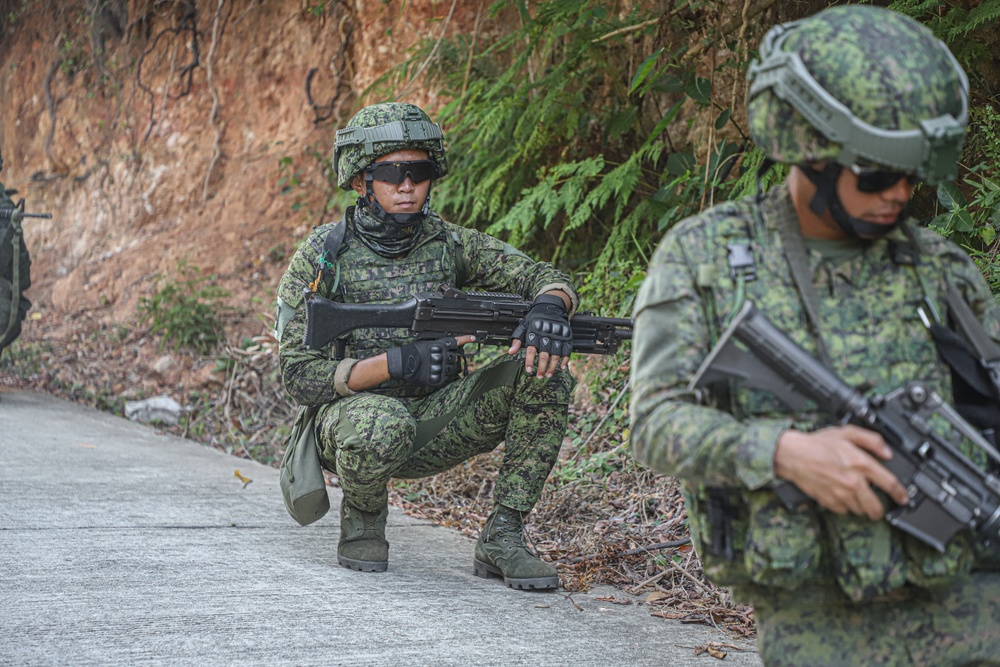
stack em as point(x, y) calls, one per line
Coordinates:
point(359, 275)
point(749, 539)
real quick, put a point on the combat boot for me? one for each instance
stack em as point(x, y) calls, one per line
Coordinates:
point(501, 552)
point(362, 545)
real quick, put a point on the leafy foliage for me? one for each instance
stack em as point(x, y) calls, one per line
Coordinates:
point(586, 133)
point(969, 210)
point(565, 149)
point(186, 310)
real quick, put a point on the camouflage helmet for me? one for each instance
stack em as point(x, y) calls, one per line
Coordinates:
point(859, 85)
point(381, 129)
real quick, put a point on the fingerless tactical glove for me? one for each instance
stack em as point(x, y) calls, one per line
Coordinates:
point(546, 327)
point(424, 362)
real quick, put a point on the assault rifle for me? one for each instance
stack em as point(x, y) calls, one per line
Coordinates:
point(490, 316)
point(947, 491)
point(16, 213)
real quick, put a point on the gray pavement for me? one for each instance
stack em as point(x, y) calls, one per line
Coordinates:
point(120, 545)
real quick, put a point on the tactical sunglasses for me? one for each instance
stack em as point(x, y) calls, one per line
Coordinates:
point(396, 172)
point(879, 180)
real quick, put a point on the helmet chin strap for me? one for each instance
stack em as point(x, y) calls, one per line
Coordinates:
point(397, 219)
point(827, 199)
point(387, 234)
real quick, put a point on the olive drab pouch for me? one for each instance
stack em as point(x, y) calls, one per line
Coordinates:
point(868, 557)
point(928, 568)
point(301, 476)
point(783, 546)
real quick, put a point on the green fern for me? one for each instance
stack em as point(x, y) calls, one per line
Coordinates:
point(563, 136)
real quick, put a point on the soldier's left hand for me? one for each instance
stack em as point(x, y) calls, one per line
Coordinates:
point(546, 334)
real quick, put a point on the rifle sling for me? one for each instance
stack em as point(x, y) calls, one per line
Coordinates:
point(798, 262)
point(970, 326)
point(490, 378)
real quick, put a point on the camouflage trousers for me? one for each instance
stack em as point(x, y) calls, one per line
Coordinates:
point(369, 439)
point(952, 627)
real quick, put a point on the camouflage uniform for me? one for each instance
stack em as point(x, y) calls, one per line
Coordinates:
point(404, 431)
point(7, 250)
point(828, 589)
point(401, 429)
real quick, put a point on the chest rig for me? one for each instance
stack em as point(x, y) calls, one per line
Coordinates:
point(350, 272)
point(966, 335)
point(961, 341)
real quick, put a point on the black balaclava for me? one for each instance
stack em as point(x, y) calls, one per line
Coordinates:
point(826, 198)
point(387, 234)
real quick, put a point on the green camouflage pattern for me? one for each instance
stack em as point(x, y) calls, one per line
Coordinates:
point(446, 255)
point(368, 439)
point(888, 69)
point(954, 626)
point(528, 414)
point(7, 297)
point(870, 324)
point(349, 160)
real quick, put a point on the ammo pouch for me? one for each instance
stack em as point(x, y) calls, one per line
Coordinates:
point(301, 475)
point(751, 538)
point(10, 315)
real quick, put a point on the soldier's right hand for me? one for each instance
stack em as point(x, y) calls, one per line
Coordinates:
point(426, 362)
point(837, 467)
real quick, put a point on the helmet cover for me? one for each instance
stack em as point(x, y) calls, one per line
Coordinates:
point(380, 129)
point(859, 85)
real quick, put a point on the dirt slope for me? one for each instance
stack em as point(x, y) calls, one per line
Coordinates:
point(189, 137)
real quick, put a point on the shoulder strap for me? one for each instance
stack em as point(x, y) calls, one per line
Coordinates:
point(798, 262)
point(908, 254)
point(328, 258)
point(462, 269)
point(332, 244)
point(742, 270)
point(969, 326)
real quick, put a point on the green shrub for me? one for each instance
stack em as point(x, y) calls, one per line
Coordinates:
point(185, 310)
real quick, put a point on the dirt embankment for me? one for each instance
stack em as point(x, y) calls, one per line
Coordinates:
point(162, 133)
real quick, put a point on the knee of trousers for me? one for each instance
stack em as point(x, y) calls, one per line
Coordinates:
point(368, 431)
point(557, 390)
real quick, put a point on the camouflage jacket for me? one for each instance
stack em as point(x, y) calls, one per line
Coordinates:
point(870, 325)
point(446, 255)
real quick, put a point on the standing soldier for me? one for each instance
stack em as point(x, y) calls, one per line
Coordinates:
point(388, 406)
point(15, 269)
point(863, 103)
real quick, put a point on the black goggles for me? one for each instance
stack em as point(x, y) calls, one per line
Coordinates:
point(878, 180)
point(396, 172)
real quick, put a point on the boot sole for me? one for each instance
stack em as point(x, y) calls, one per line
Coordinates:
point(363, 565)
point(485, 570)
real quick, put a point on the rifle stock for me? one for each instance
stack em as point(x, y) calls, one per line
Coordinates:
point(327, 320)
point(491, 317)
point(948, 492)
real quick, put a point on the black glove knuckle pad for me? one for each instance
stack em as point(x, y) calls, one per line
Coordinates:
point(546, 327)
point(424, 362)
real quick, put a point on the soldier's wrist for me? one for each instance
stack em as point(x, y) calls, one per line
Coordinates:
point(342, 376)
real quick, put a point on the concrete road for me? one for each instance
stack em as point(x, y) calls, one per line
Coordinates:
point(123, 546)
